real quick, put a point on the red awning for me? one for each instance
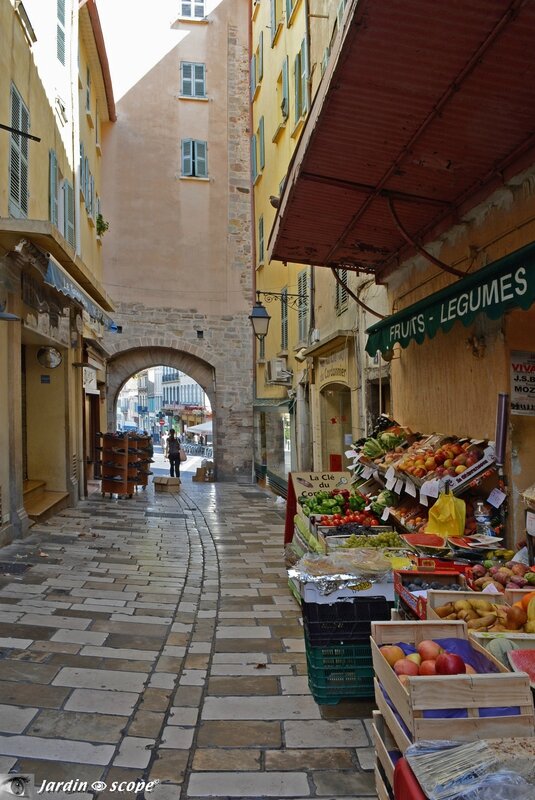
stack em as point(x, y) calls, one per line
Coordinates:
point(425, 108)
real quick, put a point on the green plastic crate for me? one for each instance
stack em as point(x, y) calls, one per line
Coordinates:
point(339, 672)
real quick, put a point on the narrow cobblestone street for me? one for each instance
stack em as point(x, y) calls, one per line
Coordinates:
point(156, 639)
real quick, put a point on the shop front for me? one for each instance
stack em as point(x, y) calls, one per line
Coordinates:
point(274, 441)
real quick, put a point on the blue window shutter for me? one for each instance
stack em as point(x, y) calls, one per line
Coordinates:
point(199, 80)
point(261, 144)
point(261, 56)
point(201, 169)
point(304, 76)
point(285, 105)
point(68, 202)
point(254, 168)
point(297, 87)
point(261, 240)
point(187, 157)
point(186, 79)
point(289, 5)
point(303, 286)
point(253, 75)
point(86, 182)
point(53, 188)
point(273, 15)
point(81, 178)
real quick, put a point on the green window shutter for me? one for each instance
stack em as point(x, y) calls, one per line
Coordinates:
point(187, 157)
point(285, 104)
point(81, 178)
point(253, 75)
point(61, 11)
point(261, 240)
point(273, 17)
point(186, 79)
point(254, 168)
point(92, 195)
point(304, 302)
point(53, 187)
point(261, 144)
point(297, 87)
point(86, 182)
point(199, 80)
point(201, 168)
point(68, 204)
point(304, 77)
point(260, 65)
point(60, 44)
point(18, 157)
point(289, 6)
point(284, 319)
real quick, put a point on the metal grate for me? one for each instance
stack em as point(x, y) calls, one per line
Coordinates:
point(7, 568)
point(75, 467)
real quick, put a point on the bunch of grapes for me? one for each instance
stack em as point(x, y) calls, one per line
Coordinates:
point(379, 540)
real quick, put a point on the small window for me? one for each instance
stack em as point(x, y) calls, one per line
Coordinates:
point(341, 292)
point(275, 19)
point(194, 158)
point(257, 65)
point(284, 319)
point(254, 159)
point(82, 168)
point(301, 88)
point(18, 157)
point(60, 31)
point(68, 206)
point(261, 145)
point(88, 92)
point(193, 9)
point(53, 186)
point(303, 290)
point(261, 253)
point(192, 79)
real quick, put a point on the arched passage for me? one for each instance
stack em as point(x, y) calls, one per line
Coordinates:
point(229, 462)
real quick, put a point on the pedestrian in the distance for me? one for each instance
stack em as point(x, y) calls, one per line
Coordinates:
point(172, 452)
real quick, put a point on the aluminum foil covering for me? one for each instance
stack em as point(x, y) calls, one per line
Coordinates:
point(357, 570)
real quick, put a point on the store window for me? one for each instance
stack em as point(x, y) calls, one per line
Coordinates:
point(336, 432)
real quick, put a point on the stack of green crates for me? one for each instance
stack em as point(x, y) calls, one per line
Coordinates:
point(337, 646)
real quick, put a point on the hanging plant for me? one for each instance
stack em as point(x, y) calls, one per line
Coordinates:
point(102, 225)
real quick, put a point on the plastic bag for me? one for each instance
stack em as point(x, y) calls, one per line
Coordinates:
point(502, 785)
point(447, 517)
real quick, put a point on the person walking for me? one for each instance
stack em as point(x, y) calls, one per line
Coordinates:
point(172, 452)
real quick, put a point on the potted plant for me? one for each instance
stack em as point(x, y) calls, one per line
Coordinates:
point(102, 225)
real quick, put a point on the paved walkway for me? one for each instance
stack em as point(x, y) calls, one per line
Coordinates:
point(155, 639)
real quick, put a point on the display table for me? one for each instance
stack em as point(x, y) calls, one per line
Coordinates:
point(406, 787)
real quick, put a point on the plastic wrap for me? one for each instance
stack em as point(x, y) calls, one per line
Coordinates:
point(339, 570)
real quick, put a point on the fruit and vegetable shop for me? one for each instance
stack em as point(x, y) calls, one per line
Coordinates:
point(416, 596)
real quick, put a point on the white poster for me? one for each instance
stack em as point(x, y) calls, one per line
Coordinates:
point(522, 382)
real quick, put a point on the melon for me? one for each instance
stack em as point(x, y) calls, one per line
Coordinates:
point(523, 661)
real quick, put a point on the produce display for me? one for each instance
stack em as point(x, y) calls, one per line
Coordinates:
point(364, 561)
point(523, 661)
point(350, 518)
point(419, 584)
point(340, 502)
point(379, 540)
point(511, 575)
point(452, 457)
point(430, 659)
point(484, 615)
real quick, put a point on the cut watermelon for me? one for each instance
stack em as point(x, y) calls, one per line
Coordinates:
point(523, 661)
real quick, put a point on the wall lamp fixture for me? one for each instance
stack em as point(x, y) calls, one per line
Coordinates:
point(4, 315)
point(259, 316)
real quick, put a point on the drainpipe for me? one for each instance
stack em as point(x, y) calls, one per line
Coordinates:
point(253, 253)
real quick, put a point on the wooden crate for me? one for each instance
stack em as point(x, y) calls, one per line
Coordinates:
point(438, 597)
point(425, 693)
point(380, 786)
point(514, 595)
point(383, 742)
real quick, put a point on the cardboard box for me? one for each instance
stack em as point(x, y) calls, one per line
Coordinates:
point(502, 689)
point(416, 603)
point(164, 484)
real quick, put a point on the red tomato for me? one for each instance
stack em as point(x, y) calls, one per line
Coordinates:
point(374, 522)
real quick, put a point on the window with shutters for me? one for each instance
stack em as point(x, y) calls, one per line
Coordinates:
point(261, 145)
point(276, 19)
point(192, 9)
point(257, 66)
point(291, 8)
point(254, 159)
point(68, 205)
point(341, 292)
point(60, 31)
point(88, 91)
point(194, 158)
point(284, 319)
point(301, 87)
point(261, 253)
point(18, 157)
point(192, 80)
point(87, 176)
point(53, 188)
point(303, 308)
point(283, 99)
point(81, 169)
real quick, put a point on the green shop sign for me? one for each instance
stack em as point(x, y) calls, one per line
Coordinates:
point(501, 286)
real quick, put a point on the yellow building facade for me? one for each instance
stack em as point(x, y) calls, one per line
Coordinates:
point(50, 262)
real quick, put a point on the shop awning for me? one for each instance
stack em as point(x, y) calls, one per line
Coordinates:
point(501, 286)
point(271, 403)
point(425, 106)
point(62, 282)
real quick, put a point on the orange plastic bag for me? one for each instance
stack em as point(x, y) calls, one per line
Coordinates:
point(447, 517)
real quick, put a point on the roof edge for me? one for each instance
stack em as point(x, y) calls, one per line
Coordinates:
point(102, 55)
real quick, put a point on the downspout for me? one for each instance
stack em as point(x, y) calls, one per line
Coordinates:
point(253, 254)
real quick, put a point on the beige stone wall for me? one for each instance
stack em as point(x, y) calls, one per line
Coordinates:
point(177, 256)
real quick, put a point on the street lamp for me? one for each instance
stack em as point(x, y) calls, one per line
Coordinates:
point(259, 316)
point(6, 316)
point(259, 319)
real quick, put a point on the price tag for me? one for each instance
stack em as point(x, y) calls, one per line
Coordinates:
point(423, 499)
point(367, 473)
point(496, 498)
point(410, 488)
point(391, 482)
point(530, 523)
point(385, 514)
point(350, 453)
point(399, 486)
point(429, 489)
point(389, 473)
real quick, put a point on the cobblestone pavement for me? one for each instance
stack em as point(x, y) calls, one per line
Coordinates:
point(154, 638)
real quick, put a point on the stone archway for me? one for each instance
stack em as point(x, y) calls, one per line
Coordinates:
point(232, 433)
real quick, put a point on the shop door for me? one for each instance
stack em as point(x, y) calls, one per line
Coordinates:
point(336, 431)
point(24, 423)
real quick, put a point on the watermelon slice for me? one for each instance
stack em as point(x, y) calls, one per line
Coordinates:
point(523, 661)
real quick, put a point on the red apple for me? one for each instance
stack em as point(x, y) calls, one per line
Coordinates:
point(461, 459)
point(450, 664)
point(392, 653)
point(428, 668)
point(429, 650)
point(405, 667)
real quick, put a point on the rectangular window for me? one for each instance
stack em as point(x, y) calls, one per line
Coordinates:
point(284, 319)
point(52, 187)
point(303, 290)
point(261, 240)
point(275, 19)
point(301, 74)
point(97, 127)
point(341, 292)
point(68, 205)
point(60, 31)
point(82, 168)
point(194, 158)
point(290, 5)
point(261, 145)
point(192, 8)
point(87, 175)
point(254, 161)
point(18, 157)
point(88, 92)
point(192, 79)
